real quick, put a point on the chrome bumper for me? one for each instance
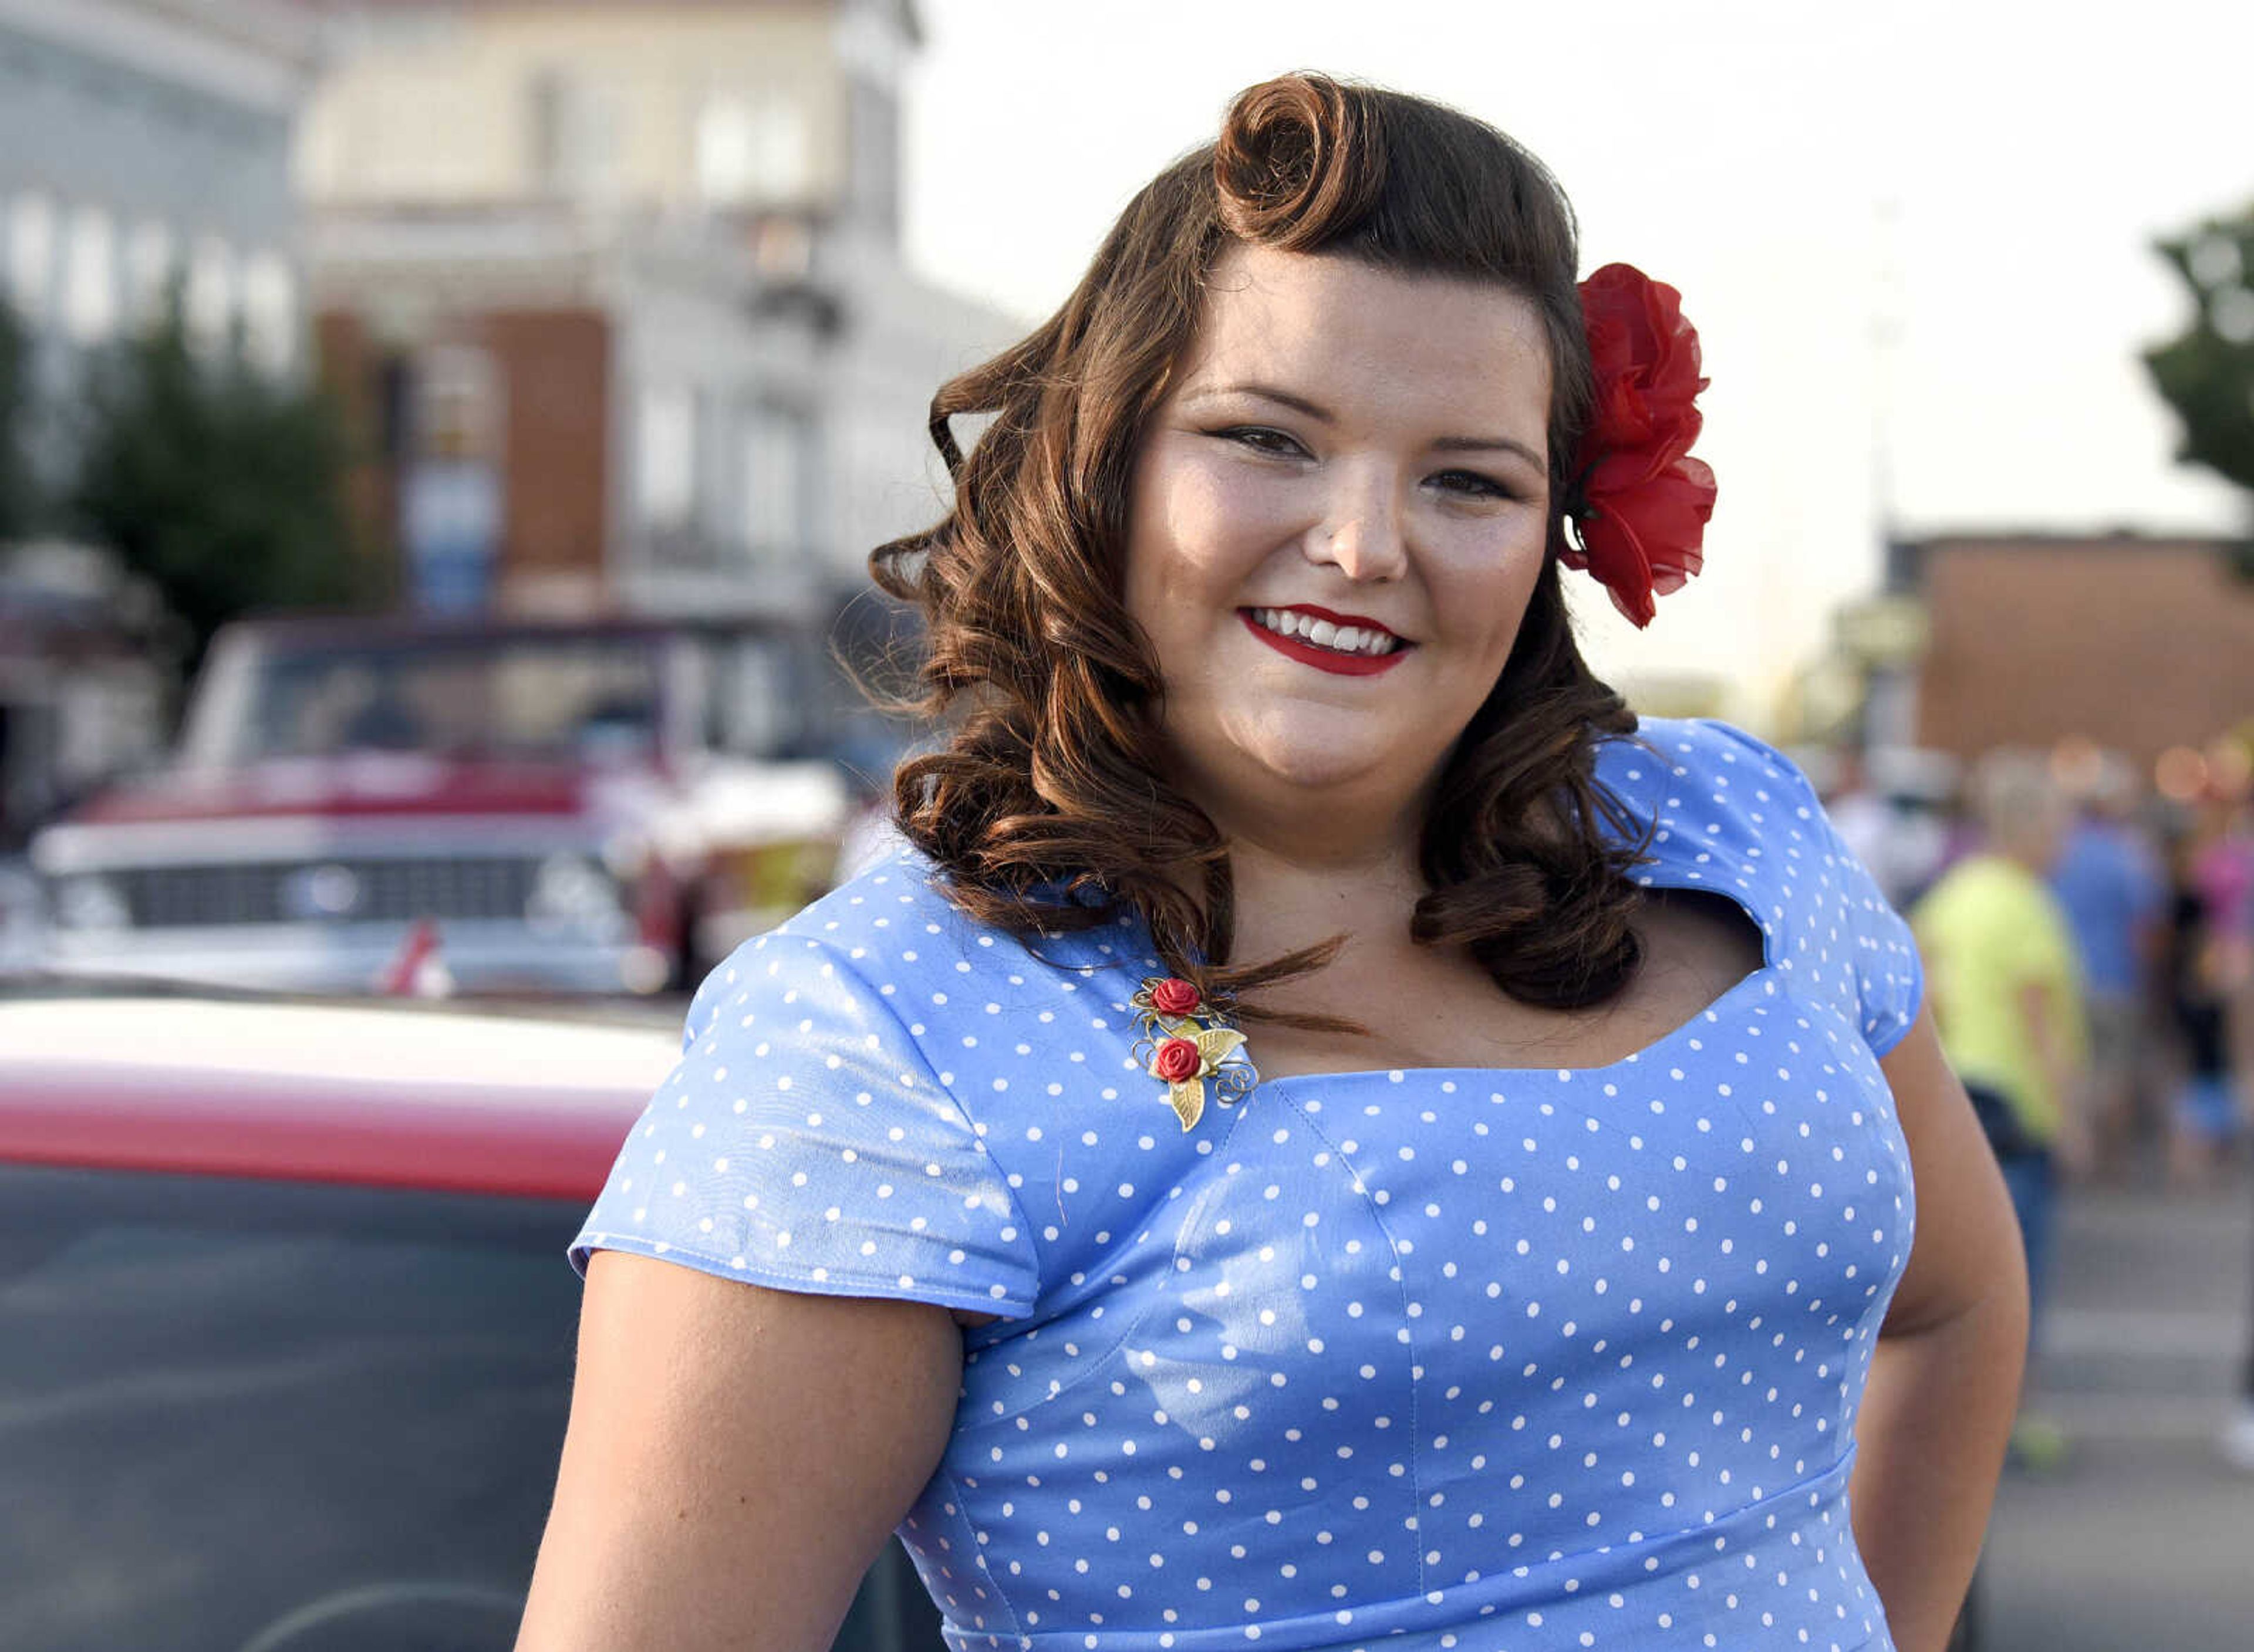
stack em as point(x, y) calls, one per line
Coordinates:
point(479, 954)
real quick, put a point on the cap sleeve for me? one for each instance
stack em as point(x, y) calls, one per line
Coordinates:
point(1845, 903)
point(804, 1142)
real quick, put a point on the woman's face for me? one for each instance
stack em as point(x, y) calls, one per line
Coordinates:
point(1339, 513)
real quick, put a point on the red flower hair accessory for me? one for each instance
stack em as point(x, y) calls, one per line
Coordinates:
point(1640, 504)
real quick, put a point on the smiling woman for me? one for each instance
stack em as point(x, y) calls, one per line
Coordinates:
point(1306, 517)
point(1330, 1132)
point(1341, 348)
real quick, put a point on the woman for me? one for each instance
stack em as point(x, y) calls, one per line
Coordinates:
point(1324, 1139)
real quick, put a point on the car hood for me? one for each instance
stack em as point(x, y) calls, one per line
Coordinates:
point(353, 784)
point(412, 1096)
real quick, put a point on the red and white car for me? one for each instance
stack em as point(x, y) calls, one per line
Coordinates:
point(286, 1324)
point(594, 807)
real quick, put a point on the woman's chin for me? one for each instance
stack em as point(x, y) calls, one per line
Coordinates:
point(1304, 758)
point(1329, 767)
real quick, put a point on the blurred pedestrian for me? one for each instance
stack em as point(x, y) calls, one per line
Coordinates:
point(2110, 883)
point(2221, 873)
point(2006, 984)
point(2202, 975)
point(1902, 844)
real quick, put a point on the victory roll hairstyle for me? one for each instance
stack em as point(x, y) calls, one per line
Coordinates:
point(1049, 809)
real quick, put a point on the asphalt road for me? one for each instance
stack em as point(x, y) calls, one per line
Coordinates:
point(2143, 1540)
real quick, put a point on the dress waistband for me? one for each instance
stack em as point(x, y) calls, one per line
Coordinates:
point(1706, 1560)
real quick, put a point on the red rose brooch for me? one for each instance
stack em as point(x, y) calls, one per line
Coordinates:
point(1641, 503)
point(1188, 1045)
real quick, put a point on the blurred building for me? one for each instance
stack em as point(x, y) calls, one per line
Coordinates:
point(617, 292)
point(142, 144)
point(2136, 644)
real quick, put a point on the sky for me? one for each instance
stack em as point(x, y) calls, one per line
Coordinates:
point(1916, 237)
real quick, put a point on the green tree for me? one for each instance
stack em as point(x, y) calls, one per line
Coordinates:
point(19, 502)
point(2207, 373)
point(224, 487)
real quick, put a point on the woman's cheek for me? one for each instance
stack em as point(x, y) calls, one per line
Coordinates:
point(1235, 498)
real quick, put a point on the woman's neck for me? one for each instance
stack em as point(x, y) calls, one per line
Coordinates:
point(1295, 894)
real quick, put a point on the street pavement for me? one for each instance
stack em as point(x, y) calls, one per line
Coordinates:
point(2143, 1540)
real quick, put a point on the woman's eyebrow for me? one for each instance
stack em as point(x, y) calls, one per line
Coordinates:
point(1490, 445)
point(1267, 393)
point(1321, 415)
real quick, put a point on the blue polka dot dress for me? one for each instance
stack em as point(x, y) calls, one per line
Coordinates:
point(1493, 1359)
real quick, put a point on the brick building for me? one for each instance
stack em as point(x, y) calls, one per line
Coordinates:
point(616, 291)
point(2138, 644)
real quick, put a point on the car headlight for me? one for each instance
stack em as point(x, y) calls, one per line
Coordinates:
point(90, 903)
point(572, 889)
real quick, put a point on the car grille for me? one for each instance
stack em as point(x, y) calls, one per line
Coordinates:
point(387, 891)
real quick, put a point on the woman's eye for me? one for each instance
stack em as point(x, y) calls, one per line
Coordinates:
point(1472, 485)
point(1260, 439)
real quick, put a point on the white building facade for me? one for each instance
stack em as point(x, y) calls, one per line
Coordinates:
point(142, 144)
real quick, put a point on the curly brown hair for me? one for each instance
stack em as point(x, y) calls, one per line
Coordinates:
point(1049, 809)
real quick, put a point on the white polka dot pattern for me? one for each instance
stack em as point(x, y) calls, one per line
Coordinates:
point(1487, 1358)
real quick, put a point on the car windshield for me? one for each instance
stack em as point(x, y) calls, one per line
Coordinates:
point(530, 696)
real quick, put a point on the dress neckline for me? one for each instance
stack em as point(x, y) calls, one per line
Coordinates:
point(1761, 979)
point(1764, 978)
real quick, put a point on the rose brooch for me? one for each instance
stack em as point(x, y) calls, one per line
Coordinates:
point(1186, 1044)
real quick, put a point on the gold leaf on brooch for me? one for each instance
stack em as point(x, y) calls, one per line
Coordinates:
point(1217, 1044)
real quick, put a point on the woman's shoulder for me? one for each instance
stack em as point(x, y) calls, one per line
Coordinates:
point(895, 920)
point(889, 952)
point(1663, 749)
point(1707, 775)
point(1729, 813)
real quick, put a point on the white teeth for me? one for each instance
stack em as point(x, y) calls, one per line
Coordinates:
point(1325, 634)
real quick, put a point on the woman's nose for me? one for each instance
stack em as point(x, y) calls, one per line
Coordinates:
point(1361, 534)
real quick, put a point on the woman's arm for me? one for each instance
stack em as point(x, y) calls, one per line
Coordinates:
point(735, 1460)
point(1945, 1380)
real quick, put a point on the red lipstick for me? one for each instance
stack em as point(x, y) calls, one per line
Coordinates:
point(1330, 660)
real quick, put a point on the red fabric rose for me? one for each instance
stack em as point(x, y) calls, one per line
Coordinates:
point(1178, 1059)
point(1174, 996)
point(1645, 503)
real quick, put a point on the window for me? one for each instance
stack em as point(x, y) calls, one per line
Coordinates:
point(537, 696)
point(574, 133)
point(778, 492)
point(327, 1387)
point(753, 150)
point(270, 312)
point(876, 141)
point(665, 453)
point(209, 302)
point(755, 711)
point(458, 412)
point(266, 1414)
point(30, 255)
point(90, 277)
point(147, 273)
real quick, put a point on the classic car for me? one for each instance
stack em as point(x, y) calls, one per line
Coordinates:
point(603, 806)
point(286, 1324)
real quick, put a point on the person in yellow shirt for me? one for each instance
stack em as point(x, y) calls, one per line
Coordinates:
point(2004, 983)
